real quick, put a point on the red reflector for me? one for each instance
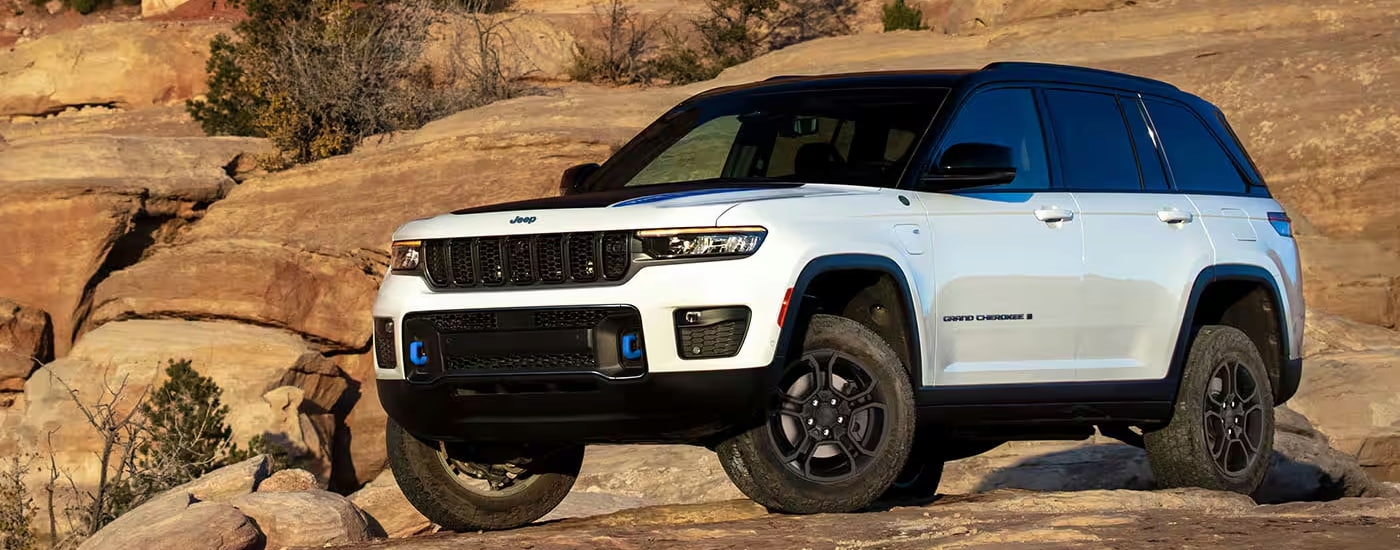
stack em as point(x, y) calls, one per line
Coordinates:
point(782, 313)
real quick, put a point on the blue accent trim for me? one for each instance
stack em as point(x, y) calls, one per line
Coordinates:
point(676, 195)
point(416, 355)
point(630, 350)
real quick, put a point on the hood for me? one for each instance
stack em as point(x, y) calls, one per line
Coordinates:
point(650, 207)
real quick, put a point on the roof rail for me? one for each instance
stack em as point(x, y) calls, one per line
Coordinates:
point(1051, 67)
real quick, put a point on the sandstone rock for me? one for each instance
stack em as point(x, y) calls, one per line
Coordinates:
point(660, 474)
point(229, 482)
point(1306, 468)
point(129, 64)
point(1354, 398)
point(245, 362)
point(151, 8)
point(26, 341)
point(101, 200)
point(534, 47)
point(176, 521)
point(970, 16)
point(387, 509)
point(305, 439)
point(307, 518)
point(1326, 333)
point(360, 453)
point(288, 481)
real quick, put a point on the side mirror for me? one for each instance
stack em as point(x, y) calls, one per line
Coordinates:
point(972, 165)
point(572, 180)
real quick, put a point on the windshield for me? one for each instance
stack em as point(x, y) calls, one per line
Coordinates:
point(852, 136)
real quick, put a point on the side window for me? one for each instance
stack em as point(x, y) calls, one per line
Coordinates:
point(1096, 153)
point(1197, 162)
point(1005, 117)
point(1145, 143)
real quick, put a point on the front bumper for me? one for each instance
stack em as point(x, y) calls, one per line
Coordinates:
point(678, 407)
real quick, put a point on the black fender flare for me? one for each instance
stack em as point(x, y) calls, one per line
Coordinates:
point(1290, 371)
point(793, 319)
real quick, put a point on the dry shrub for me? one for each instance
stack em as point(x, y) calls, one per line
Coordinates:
point(17, 509)
point(618, 51)
point(319, 76)
point(734, 31)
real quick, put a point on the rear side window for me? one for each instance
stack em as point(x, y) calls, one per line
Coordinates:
point(1096, 153)
point(1197, 162)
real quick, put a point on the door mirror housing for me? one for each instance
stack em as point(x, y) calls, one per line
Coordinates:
point(573, 179)
point(972, 165)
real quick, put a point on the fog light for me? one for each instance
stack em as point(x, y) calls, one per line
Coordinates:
point(710, 333)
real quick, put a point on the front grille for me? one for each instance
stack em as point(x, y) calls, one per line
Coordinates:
point(502, 341)
point(528, 260)
point(384, 343)
point(532, 361)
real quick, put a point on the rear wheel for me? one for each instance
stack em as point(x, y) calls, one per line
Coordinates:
point(1221, 435)
point(838, 430)
point(468, 487)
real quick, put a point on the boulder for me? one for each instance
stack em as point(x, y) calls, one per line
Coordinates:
point(177, 521)
point(388, 510)
point(151, 8)
point(129, 357)
point(306, 518)
point(1327, 333)
point(127, 64)
point(102, 201)
point(360, 451)
point(1354, 398)
point(1306, 468)
point(971, 16)
point(288, 481)
point(229, 482)
point(26, 341)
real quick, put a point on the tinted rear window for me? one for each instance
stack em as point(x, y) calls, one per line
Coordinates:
point(1196, 159)
point(1095, 150)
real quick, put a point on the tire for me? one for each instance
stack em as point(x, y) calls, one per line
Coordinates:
point(1221, 435)
point(873, 421)
point(447, 498)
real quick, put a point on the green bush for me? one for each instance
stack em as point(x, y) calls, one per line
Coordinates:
point(902, 17)
point(17, 509)
point(318, 76)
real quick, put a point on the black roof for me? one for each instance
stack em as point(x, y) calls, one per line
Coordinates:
point(1002, 71)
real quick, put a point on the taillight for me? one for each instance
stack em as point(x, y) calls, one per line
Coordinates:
point(1282, 225)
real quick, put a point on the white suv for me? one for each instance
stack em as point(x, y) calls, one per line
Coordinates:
point(838, 283)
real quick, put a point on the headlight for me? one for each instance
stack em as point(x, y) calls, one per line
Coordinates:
point(406, 256)
point(700, 242)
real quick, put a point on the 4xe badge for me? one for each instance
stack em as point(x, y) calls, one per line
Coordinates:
point(523, 219)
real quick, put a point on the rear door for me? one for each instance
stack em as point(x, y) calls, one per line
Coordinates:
point(1143, 245)
point(1006, 259)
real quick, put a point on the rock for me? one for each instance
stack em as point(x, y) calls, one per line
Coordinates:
point(26, 341)
point(535, 47)
point(102, 200)
point(306, 518)
point(359, 452)
point(660, 474)
point(176, 521)
point(1354, 398)
point(1327, 333)
point(971, 16)
point(304, 436)
point(1306, 468)
point(150, 8)
point(229, 482)
point(127, 64)
point(288, 481)
point(245, 361)
point(53, 6)
point(388, 510)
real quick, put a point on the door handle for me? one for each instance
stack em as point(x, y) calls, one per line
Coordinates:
point(1053, 214)
point(1174, 216)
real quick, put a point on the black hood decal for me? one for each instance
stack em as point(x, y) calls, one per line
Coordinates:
point(599, 199)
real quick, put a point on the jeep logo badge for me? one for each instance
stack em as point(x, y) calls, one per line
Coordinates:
point(523, 219)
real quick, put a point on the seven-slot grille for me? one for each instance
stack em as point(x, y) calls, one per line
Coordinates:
point(528, 260)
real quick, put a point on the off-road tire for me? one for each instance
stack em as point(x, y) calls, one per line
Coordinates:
point(436, 493)
point(1181, 453)
point(752, 459)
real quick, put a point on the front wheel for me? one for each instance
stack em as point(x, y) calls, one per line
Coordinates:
point(469, 487)
point(838, 429)
point(1221, 435)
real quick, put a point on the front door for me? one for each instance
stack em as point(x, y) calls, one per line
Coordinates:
point(1007, 259)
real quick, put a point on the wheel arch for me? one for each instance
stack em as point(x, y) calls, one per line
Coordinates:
point(1225, 294)
point(802, 303)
